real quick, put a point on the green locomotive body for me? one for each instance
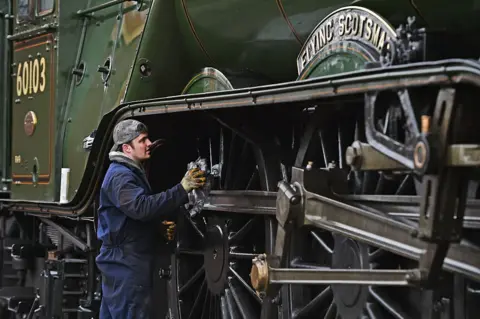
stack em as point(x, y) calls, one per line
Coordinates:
point(80, 84)
point(252, 81)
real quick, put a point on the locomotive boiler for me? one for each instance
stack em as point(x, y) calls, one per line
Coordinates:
point(339, 139)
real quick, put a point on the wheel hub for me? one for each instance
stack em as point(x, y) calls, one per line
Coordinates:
point(216, 258)
point(348, 254)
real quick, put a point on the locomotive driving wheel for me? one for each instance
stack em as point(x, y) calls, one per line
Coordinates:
point(314, 248)
point(212, 260)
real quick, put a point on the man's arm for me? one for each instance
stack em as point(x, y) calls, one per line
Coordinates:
point(131, 199)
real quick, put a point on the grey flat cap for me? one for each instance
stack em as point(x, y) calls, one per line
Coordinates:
point(126, 131)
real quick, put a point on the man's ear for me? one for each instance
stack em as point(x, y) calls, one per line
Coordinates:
point(125, 148)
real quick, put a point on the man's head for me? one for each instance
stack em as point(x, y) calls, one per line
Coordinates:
point(131, 138)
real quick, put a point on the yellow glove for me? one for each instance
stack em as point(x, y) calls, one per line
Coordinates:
point(193, 179)
point(170, 234)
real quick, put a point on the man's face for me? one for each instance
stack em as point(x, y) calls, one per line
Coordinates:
point(138, 148)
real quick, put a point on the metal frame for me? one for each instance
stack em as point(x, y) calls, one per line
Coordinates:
point(445, 72)
point(347, 216)
point(317, 205)
point(378, 225)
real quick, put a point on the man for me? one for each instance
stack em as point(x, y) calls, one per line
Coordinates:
point(128, 222)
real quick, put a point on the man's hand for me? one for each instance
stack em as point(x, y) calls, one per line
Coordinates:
point(193, 179)
point(170, 233)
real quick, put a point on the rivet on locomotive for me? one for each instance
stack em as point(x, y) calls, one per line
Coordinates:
point(340, 143)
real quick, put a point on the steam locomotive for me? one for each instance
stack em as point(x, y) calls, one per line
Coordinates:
point(339, 138)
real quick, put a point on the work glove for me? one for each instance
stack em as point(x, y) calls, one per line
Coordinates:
point(193, 179)
point(170, 231)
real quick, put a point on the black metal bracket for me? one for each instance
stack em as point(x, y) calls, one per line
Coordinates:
point(108, 4)
point(408, 47)
point(445, 193)
point(18, 300)
point(67, 233)
point(33, 32)
point(287, 212)
point(310, 200)
point(401, 152)
point(51, 302)
point(444, 199)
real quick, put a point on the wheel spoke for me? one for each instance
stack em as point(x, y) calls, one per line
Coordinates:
point(221, 156)
point(213, 307)
point(318, 301)
point(218, 310)
point(403, 185)
point(190, 282)
point(298, 263)
point(340, 149)
point(375, 255)
point(325, 159)
point(388, 304)
point(228, 183)
point(197, 299)
point(331, 311)
point(231, 305)
point(239, 235)
point(195, 227)
point(310, 249)
point(185, 251)
point(238, 255)
point(322, 243)
point(250, 181)
point(373, 311)
point(242, 159)
point(227, 239)
point(356, 132)
point(247, 287)
point(224, 308)
point(205, 300)
point(243, 305)
point(380, 184)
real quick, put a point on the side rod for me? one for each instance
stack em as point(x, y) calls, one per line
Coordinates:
point(354, 220)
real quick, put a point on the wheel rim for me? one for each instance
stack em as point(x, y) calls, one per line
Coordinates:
point(317, 249)
point(214, 250)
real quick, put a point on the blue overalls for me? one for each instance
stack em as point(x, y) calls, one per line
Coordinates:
point(129, 219)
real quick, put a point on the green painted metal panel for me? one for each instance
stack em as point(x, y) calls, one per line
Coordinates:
point(38, 153)
point(156, 52)
point(114, 42)
point(4, 78)
point(263, 37)
point(33, 117)
point(259, 38)
point(162, 51)
point(209, 80)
